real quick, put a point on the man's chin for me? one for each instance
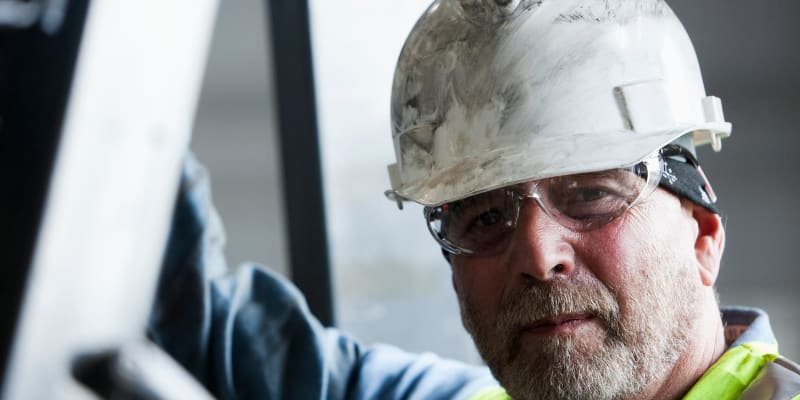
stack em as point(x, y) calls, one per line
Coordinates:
point(582, 364)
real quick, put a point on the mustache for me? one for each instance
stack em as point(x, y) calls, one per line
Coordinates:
point(523, 307)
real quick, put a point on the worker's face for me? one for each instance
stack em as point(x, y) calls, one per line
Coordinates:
point(596, 314)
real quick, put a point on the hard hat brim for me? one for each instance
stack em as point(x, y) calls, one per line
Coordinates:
point(508, 166)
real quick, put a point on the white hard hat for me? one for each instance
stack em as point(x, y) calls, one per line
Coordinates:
point(489, 93)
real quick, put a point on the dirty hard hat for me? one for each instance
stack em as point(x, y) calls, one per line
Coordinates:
point(489, 93)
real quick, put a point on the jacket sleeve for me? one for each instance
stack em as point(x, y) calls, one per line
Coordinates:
point(248, 334)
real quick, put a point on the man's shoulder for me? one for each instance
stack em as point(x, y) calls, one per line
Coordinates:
point(779, 379)
point(750, 327)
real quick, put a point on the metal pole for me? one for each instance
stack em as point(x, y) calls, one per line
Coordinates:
point(302, 180)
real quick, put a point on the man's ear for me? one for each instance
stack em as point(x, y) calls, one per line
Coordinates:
point(709, 244)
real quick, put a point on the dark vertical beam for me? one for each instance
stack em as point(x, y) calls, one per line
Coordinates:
point(302, 179)
point(36, 69)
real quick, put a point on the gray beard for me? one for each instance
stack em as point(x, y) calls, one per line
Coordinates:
point(639, 348)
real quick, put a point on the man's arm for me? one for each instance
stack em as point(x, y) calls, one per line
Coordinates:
point(249, 334)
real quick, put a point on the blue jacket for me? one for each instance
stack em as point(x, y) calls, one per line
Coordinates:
point(248, 334)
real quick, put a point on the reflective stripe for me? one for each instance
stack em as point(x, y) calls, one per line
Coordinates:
point(492, 393)
point(733, 372)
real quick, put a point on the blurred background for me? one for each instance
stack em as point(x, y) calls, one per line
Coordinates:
point(391, 283)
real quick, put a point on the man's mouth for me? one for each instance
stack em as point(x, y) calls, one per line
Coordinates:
point(559, 324)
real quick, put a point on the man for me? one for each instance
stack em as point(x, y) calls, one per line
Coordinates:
point(552, 143)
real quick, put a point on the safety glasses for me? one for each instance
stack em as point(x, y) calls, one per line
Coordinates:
point(484, 224)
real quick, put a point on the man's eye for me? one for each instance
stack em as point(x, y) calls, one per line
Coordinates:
point(475, 214)
point(489, 217)
point(591, 202)
point(590, 194)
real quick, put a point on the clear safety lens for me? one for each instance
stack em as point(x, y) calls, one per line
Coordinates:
point(483, 224)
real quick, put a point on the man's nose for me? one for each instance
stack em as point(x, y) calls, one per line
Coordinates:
point(540, 248)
